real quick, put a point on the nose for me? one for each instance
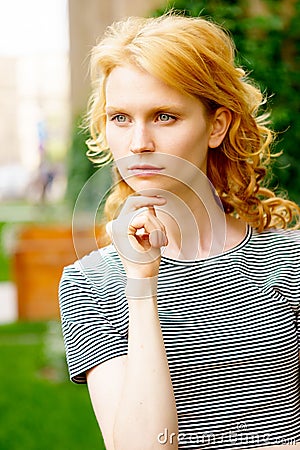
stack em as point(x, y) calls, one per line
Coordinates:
point(141, 139)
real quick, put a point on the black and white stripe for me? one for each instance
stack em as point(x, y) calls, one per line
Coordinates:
point(230, 327)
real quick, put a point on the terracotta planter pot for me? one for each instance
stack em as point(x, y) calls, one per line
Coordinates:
point(40, 255)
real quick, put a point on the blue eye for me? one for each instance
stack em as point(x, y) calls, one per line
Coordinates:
point(120, 118)
point(165, 117)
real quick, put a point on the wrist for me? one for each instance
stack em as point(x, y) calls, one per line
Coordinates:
point(141, 288)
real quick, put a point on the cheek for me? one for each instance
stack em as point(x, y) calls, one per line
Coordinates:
point(189, 147)
point(197, 142)
point(114, 144)
point(119, 162)
point(109, 135)
point(123, 162)
point(187, 140)
point(117, 141)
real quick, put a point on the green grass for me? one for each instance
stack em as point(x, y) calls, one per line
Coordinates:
point(40, 409)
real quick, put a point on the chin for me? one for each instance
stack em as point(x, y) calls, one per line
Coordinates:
point(142, 183)
point(156, 187)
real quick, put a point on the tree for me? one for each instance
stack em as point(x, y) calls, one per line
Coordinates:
point(80, 169)
point(267, 38)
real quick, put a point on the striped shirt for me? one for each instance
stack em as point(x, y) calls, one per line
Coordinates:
point(230, 328)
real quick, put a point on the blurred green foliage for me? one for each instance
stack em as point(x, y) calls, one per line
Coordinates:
point(80, 169)
point(268, 47)
point(38, 410)
point(4, 257)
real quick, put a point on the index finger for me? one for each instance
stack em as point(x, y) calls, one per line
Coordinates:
point(135, 202)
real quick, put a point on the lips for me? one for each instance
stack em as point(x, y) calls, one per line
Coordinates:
point(145, 169)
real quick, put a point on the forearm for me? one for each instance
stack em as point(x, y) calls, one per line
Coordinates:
point(147, 405)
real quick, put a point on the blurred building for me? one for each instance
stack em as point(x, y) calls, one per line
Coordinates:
point(34, 94)
point(8, 106)
point(87, 22)
point(45, 84)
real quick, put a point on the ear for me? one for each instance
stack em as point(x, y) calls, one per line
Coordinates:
point(219, 126)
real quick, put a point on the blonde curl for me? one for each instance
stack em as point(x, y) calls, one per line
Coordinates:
point(196, 57)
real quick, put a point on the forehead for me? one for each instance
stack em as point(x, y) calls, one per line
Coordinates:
point(130, 85)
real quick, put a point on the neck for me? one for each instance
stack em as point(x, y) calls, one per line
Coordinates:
point(196, 224)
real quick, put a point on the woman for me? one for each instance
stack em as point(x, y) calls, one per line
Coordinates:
point(185, 326)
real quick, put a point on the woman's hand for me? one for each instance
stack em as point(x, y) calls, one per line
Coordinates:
point(138, 235)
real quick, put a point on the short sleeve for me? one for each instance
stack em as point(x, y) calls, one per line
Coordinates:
point(90, 336)
point(298, 326)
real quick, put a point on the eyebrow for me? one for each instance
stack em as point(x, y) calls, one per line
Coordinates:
point(164, 107)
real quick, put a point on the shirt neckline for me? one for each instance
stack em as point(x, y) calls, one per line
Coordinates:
point(242, 243)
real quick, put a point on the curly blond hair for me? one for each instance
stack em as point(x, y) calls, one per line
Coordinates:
point(196, 57)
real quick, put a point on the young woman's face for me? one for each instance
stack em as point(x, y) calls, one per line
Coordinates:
point(153, 129)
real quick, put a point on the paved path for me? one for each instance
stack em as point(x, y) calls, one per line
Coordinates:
point(8, 303)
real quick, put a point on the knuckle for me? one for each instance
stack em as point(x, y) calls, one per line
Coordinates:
point(139, 218)
point(130, 199)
